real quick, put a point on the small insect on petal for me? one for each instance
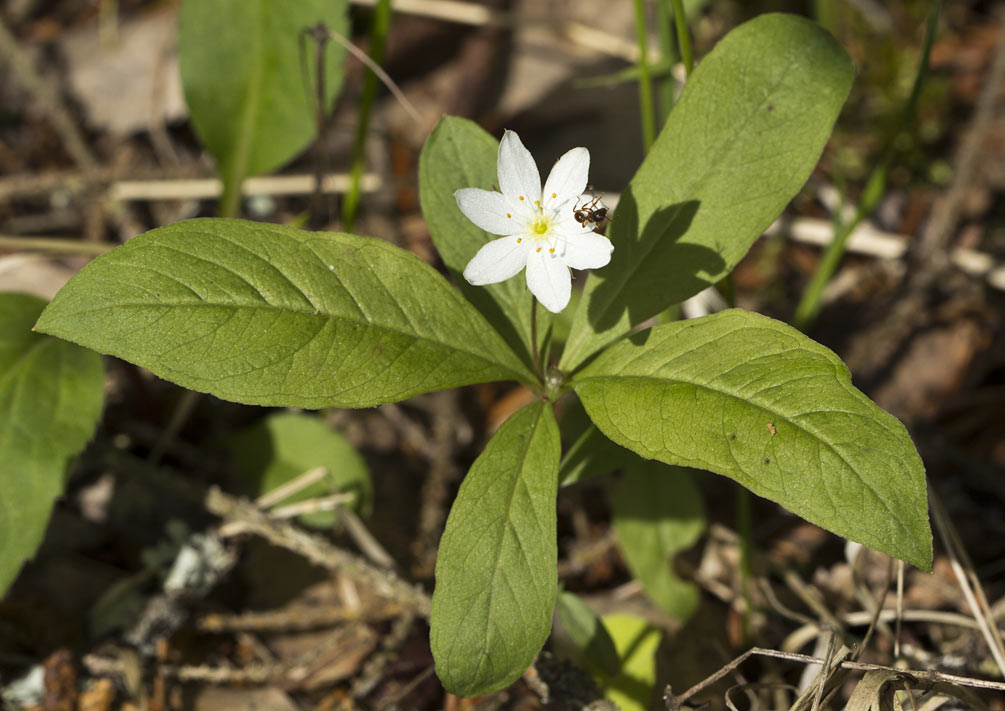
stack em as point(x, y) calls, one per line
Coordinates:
point(592, 212)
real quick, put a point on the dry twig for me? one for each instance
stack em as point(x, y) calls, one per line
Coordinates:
point(674, 702)
point(389, 648)
point(241, 515)
point(295, 618)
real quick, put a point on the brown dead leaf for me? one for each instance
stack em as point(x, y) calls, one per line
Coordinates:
point(319, 659)
point(132, 84)
point(60, 682)
point(213, 698)
point(99, 696)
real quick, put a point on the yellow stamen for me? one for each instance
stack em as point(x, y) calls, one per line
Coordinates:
point(508, 215)
point(519, 240)
point(552, 250)
point(554, 195)
point(521, 197)
point(538, 203)
point(538, 249)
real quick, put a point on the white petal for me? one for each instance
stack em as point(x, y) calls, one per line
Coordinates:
point(589, 251)
point(497, 261)
point(568, 177)
point(549, 280)
point(489, 210)
point(518, 174)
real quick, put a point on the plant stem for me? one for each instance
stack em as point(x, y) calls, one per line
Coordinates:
point(683, 38)
point(660, 69)
point(230, 199)
point(811, 301)
point(55, 245)
point(744, 499)
point(645, 82)
point(745, 529)
point(535, 351)
point(727, 287)
point(666, 82)
point(319, 213)
point(378, 40)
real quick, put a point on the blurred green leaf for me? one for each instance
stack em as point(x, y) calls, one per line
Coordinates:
point(657, 514)
point(51, 394)
point(587, 452)
point(243, 76)
point(284, 445)
point(588, 633)
point(636, 641)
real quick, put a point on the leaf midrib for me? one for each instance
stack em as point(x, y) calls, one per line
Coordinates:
point(498, 548)
point(307, 243)
point(310, 314)
point(249, 107)
point(807, 431)
point(18, 364)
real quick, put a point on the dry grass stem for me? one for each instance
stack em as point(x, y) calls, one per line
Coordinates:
point(209, 188)
point(385, 79)
point(468, 13)
point(674, 702)
point(972, 589)
point(54, 245)
point(362, 537)
point(293, 486)
point(334, 502)
point(294, 618)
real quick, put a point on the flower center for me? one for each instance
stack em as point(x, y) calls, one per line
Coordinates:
point(540, 226)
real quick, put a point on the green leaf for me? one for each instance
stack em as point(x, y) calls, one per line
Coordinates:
point(284, 445)
point(495, 571)
point(588, 633)
point(50, 400)
point(587, 452)
point(657, 514)
point(745, 135)
point(755, 400)
point(244, 78)
point(459, 154)
point(637, 642)
point(271, 315)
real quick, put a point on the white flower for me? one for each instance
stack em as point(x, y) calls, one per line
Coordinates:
point(540, 227)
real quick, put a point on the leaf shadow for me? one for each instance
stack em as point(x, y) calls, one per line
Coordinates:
point(251, 451)
point(654, 269)
point(653, 508)
point(490, 304)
